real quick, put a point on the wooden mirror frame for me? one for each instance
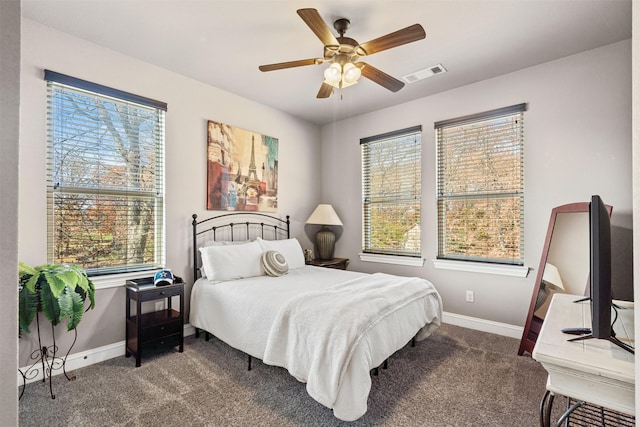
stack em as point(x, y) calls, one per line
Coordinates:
point(534, 323)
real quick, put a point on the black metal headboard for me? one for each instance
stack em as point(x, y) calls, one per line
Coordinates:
point(228, 226)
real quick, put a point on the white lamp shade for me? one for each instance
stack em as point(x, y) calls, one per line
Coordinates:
point(333, 74)
point(551, 277)
point(351, 73)
point(324, 215)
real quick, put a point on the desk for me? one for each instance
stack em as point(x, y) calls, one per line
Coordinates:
point(594, 370)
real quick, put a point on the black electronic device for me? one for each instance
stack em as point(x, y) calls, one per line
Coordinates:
point(576, 331)
point(600, 275)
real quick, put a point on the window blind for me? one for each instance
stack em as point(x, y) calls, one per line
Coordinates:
point(105, 177)
point(391, 191)
point(481, 186)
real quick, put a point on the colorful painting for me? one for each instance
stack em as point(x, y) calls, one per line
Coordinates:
point(242, 169)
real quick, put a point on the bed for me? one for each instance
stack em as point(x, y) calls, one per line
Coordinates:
point(329, 328)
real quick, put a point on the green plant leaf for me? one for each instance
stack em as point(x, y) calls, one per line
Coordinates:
point(83, 280)
point(49, 302)
point(76, 311)
point(56, 284)
point(24, 268)
point(91, 291)
point(31, 283)
point(27, 309)
point(65, 303)
point(69, 277)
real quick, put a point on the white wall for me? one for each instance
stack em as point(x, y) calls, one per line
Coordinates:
point(9, 132)
point(190, 105)
point(577, 143)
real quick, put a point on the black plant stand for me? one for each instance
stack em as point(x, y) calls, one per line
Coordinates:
point(45, 358)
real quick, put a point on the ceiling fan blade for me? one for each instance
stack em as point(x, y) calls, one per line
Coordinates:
point(290, 64)
point(397, 38)
point(377, 76)
point(312, 18)
point(325, 91)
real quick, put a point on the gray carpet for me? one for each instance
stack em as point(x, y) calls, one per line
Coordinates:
point(456, 377)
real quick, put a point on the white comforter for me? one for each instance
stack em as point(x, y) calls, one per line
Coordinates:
point(248, 315)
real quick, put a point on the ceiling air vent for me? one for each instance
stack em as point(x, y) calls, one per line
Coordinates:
point(425, 73)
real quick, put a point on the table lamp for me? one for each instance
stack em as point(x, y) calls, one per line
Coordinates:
point(325, 239)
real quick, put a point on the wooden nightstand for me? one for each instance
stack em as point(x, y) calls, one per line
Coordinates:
point(338, 263)
point(163, 327)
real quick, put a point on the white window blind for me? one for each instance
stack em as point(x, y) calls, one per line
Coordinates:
point(481, 186)
point(105, 177)
point(391, 191)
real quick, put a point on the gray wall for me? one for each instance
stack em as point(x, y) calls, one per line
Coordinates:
point(9, 132)
point(577, 143)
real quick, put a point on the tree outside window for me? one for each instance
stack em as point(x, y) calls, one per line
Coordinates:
point(105, 178)
point(481, 187)
point(391, 191)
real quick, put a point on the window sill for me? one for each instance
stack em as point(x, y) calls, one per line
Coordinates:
point(392, 259)
point(479, 267)
point(118, 280)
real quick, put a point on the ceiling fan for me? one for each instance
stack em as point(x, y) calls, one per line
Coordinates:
point(343, 53)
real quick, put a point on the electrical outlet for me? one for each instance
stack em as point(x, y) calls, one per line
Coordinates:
point(159, 305)
point(469, 296)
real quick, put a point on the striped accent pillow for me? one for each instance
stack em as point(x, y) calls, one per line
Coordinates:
point(274, 263)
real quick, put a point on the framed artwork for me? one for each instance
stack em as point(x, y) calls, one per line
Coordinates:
point(242, 169)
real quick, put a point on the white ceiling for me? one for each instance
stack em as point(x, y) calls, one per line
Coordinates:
point(222, 42)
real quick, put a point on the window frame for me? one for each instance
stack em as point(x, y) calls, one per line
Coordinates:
point(445, 259)
point(156, 196)
point(385, 255)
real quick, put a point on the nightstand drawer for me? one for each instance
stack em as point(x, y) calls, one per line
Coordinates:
point(161, 292)
point(151, 333)
point(164, 342)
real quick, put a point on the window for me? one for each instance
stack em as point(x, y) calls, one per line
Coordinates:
point(481, 187)
point(391, 192)
point(105, 177)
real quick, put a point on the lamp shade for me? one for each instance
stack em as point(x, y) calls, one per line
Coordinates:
point(550, 281)
point(551, 277)
point(324, 215)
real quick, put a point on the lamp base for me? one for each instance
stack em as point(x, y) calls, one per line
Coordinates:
point(325, 243)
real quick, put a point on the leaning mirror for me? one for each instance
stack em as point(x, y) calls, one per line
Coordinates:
point(564, 265)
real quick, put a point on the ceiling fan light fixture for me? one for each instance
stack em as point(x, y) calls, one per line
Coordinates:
point(350, 73)
point(341, 76)
point(333, 75)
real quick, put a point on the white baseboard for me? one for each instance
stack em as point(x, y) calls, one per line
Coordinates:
point(100, 354)
point(483, 325)
point(84, 358)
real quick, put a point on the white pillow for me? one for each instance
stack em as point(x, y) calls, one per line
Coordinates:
point(224, 242)
point(218, 243)
point(230, 262)
point(290, 248)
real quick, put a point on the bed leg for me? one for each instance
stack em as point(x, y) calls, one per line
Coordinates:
point(413, 342)
point(197, 332)
point(385, 365)
point(206, 336)
point(375, 372)
point(249, 365)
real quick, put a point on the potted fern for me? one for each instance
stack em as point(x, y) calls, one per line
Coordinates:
point(59, 291)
